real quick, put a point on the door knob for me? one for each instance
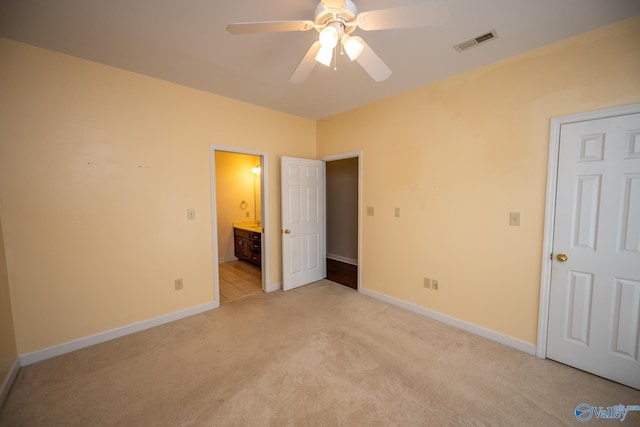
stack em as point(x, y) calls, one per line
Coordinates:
point(287, 231)
point(562, 257)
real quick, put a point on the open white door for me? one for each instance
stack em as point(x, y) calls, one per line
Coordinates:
point(594, 300)
point(304, 240)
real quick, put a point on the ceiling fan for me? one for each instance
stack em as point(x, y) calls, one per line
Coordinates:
point(335, 20)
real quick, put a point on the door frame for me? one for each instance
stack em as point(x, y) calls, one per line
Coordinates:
point(351, 155)
point(550, 207)
point(264, 214)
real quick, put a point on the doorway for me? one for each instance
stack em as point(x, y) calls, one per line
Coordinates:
point(590, 293)
point(305, 219)
point(239, 216)
point(343, 213)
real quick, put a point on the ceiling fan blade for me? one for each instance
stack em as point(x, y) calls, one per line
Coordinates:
point(306, 65)
point(416, 15)
point(269, 27)
point(372, 63)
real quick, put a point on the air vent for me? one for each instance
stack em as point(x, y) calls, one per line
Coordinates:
point(482, 38)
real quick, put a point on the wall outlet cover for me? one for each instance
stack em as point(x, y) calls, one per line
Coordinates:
point(514, 219)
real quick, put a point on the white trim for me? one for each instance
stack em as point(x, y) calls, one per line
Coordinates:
point(266, 233)
point(342, 259)
point(8, 380)
point(350, 155)
point(550, 206)
point(341, 156)
point(229, 259)
point(57, 350)
point(455, 322)
point(273, 287)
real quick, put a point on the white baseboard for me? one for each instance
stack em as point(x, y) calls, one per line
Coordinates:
point(273, 287)
point(227, 259)
point(342, 259)
point(456, 323)
point(57, 350)
point(8, 381)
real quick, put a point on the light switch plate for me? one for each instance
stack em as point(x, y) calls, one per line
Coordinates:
point(369, 210)
point(397, 212)
point(191, 214)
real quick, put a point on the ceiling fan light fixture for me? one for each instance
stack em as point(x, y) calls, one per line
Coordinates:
point(335, 20)
point(352, 46)
point(324, 56)
point(329, 37)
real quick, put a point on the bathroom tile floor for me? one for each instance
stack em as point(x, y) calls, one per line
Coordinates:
point(239, 279)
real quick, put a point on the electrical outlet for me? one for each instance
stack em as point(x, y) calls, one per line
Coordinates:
point(427, 283)
point(434, 285)
point(178, 284)
point(514, 219)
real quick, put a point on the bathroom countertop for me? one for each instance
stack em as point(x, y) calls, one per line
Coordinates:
point(248, 225)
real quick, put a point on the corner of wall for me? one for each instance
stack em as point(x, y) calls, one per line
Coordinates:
point(9, 362)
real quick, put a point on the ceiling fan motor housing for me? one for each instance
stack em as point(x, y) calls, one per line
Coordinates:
point(327, 16)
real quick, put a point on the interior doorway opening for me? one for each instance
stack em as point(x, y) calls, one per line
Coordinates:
point(239, 223)
point(343, 219)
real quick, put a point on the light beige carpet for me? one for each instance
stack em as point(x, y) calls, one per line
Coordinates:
point(321, 355)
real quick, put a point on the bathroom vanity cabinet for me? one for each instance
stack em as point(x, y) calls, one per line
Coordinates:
point(248, 245)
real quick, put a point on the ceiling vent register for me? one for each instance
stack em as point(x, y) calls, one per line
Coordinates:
point(482, 38)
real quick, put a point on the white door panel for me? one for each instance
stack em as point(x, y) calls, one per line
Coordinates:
point(303, 222)
point(594, 300)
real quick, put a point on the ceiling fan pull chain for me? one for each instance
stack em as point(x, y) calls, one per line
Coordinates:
point(335, 58)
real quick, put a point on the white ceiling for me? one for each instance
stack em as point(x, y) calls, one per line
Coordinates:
point(186, 42)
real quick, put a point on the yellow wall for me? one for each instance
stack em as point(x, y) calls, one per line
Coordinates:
point(97, 169)
point(8, 350)
point(98, 166)
point(457, 156)
point(234, 183)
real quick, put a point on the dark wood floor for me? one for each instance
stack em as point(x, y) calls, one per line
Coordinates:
point(343, 273)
